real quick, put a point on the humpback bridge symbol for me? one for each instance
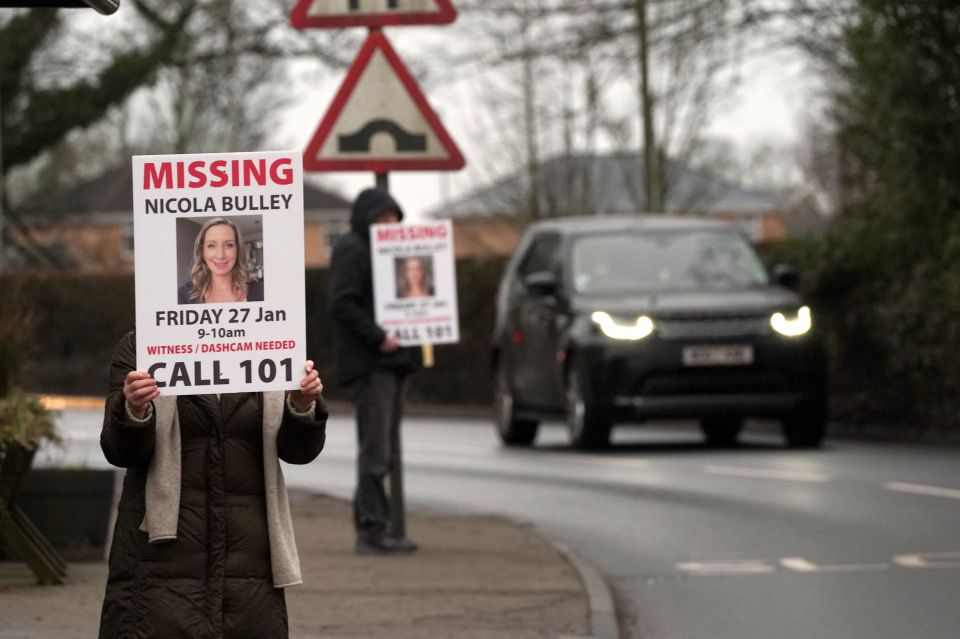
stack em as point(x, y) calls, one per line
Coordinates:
point(391, 4)
point(359, 142)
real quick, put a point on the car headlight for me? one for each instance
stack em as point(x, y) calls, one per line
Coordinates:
point(792, 326)
point(611, 328)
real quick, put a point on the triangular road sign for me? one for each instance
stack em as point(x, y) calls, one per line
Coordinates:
point(380, 121)
point(336, 14)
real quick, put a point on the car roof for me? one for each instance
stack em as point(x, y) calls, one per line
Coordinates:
point(638, 222)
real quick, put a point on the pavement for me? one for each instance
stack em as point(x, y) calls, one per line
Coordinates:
point(473, 578)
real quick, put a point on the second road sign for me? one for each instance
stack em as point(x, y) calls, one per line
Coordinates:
point(335, 14)
point(380, 121)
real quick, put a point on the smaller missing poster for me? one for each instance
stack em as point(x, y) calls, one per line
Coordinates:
point(218, 244)
point(415, 283)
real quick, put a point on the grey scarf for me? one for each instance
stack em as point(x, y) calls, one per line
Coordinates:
point(163, 487)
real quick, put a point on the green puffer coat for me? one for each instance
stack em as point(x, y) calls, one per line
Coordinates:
point(213, 580)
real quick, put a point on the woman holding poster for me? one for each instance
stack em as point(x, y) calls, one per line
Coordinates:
point(203, 543)
point(219, 272)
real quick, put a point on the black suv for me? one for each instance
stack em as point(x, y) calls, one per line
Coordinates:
point(610, 319)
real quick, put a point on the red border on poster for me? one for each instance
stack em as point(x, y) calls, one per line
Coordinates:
point(444, 14)
point(376, 40)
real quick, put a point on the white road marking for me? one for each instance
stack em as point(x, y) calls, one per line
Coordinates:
point(767, 473)
point(929, 560)
point(799, 564)
point(920, 489)
point(744, 567)
point(727, 567)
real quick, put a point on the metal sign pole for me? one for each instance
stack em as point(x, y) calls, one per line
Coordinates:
point(398, 520)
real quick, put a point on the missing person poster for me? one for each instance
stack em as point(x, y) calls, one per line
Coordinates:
point(415, 283)
point(218, 242)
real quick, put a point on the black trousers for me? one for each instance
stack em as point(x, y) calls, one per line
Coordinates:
point(378, 398)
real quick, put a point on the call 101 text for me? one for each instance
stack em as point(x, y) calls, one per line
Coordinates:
point(431, 333)
point(200, 373)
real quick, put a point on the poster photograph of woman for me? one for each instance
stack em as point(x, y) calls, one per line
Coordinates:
point(220, 260)
point(414, 276)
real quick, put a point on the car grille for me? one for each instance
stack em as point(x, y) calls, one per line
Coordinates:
point(703, 328)
point(712, 383)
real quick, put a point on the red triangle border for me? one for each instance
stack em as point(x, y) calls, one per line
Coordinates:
point(377, 41)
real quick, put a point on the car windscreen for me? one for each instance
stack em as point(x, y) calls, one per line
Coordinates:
point(686, 260)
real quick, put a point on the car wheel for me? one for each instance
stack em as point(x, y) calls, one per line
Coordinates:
point(588, 425)
point(512, 431)
point(721, 431)
point(807, 427)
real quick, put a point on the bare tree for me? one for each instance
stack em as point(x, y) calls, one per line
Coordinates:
point(221, 105)
point(212, 66)
point(652, 74)
point(678, 53)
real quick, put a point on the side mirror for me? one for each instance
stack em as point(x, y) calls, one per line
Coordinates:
point(786, 275)
point(542, 283)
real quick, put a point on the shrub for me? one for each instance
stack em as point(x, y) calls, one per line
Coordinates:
point(24, 422)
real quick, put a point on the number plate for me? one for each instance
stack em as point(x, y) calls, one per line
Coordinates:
point(718, 355)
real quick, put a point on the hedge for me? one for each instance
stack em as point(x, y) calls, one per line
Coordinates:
point(78, 319)
point(892, 341)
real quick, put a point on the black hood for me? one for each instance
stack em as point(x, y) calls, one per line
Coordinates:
point(369, 205)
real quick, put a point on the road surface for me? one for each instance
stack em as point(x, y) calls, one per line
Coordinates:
point(854, 541)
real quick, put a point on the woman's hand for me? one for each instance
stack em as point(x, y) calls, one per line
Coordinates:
point(389, 345)
point(139, 389)
point(310, 389)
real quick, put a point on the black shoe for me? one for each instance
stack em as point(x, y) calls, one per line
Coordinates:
point(384, 545)
point(402, 544)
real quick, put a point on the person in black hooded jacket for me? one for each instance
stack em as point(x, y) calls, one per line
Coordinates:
point(373, 368)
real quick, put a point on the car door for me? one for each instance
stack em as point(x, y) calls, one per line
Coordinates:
point(534, 325)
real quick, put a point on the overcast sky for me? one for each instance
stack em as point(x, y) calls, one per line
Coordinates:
point(769, 107)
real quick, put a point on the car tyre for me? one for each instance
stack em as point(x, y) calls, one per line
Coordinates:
point(721, 431)
point(512, 430)
point(588, 425)
point(806, 427)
